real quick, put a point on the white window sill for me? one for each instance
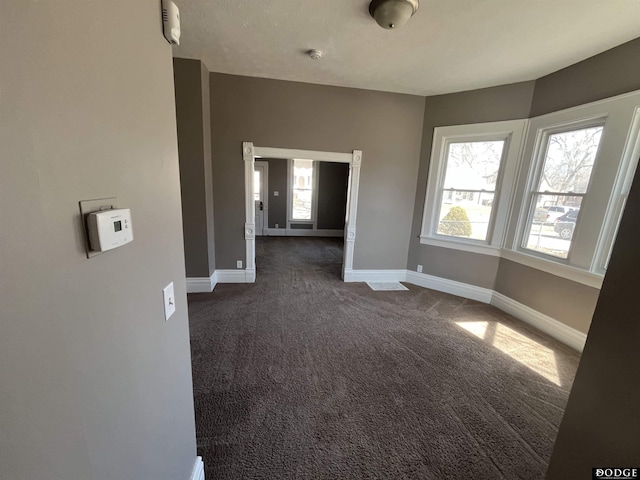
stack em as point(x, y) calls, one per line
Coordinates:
point(564, 271)
point(558, 269)
point(465, 246)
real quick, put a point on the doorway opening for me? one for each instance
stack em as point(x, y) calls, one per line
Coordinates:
point(261, 196)
point(256, 200)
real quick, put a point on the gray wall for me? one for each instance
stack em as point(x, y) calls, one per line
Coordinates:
point(194, 145)
point(506, 102)
point(613, 72)
point(208, 168)
point(601, 421)
point(386, 126)
point(333, 179)
point(277, 183)
point(569, 302)
point(95, 384)
point(332, 193)
point(610, 73)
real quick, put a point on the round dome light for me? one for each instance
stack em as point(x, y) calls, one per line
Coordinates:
point(390, 14)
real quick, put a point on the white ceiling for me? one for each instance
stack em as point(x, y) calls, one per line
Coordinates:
point(448, 46)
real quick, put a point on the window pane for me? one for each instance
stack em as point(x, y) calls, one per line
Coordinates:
point(465, 214)
point(302, 173)
point(550, 229)
point(473, 165)
point(256, 185)
point(302, 189)
point(301, 204)
point(569, 160)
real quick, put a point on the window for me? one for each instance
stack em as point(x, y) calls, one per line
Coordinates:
point(563, 179)
point(552, 201)
point(471, 176)
point(302, 190)
point(470, 183)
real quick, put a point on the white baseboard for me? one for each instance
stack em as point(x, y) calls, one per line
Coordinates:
point(275, 232)
point(450, 286)
point(375, 275)
point(198, 470)
point(302, 232)
point(236, 276)
point(202, 284)
point(250, 275)
point(558, 330)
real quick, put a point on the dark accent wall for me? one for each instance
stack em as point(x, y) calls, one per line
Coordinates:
point(610, 73)
point(277, 183)
point(507, 102)
point(333, 179)
point(601, 421)
point(94, 383)
point(332, 194)
point(387, 127)
point(194, 145)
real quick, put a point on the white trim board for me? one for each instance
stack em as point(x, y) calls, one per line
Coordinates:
point(202, 284)
point(249, 155)
point(556, 329)
point(198, 470)
point(452, 287)
point(303, 232)
point(552, 327)
point(236, 276)
point(375, 275)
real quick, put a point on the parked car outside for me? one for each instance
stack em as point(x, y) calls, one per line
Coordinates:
point(557, 211)
point(565, 224)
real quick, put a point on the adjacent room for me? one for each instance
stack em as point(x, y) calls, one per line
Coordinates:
point(301, 239)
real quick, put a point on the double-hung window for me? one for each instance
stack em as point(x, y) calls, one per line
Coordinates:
point(470, 183)
point(302, 190)
point(563, 175)
point(551, 201)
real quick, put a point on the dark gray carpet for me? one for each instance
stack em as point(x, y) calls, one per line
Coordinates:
point(302, 376)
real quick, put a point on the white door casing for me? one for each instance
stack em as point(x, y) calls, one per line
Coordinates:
point(250, 153)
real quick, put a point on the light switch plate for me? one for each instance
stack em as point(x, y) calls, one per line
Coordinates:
point(169, 301)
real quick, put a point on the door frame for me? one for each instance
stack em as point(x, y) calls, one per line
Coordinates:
point(265, 194)
point(249, 155)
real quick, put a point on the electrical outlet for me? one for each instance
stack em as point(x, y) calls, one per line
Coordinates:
point(239, 264)
point(169, 301)
point(277, 226)
point(419, 268)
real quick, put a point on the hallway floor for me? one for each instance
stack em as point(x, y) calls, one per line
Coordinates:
point(303, 376)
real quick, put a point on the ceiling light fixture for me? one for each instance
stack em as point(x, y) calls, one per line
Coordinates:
point(391, 14)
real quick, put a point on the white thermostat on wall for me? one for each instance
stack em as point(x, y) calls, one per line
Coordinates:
point(109, 229)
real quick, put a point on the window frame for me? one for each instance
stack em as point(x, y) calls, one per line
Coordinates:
point(619, 150)
point(314, 194)
point(512, 133)
point(619, 196)
point(536, 167)
point(601, 210)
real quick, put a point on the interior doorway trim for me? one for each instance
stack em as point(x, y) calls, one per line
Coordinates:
point(249, 155)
